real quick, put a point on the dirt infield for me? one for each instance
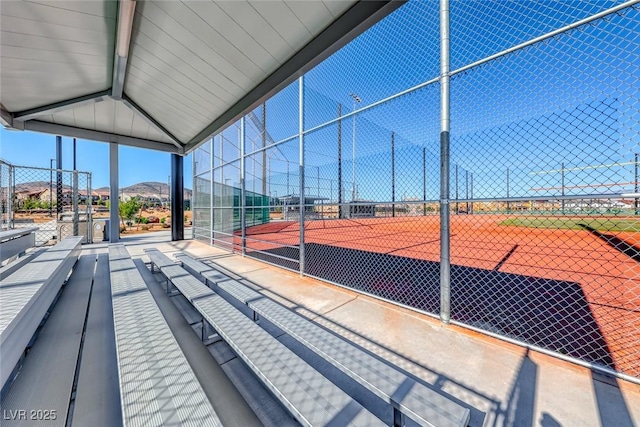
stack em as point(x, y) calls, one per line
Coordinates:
point(517, 265)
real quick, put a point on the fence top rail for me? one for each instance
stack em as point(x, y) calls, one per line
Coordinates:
point(49, 169)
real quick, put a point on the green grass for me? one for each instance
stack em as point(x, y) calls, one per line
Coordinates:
point(555, 223)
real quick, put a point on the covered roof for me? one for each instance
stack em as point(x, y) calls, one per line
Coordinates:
point(164, 75)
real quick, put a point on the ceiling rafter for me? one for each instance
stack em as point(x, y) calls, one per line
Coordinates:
point(57, 107)
point(93, 135)
point(147, 117)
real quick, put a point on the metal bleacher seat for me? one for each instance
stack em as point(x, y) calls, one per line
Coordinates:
point(157, 385)
point(25, 297)
point(407, 396)
point(310, 397)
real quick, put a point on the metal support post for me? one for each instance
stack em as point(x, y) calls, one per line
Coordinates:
point(177, 197)
point(51, 187)
point(243, 190)
point(445, 122)
point(508, 191)
point(466, 190)
point(457, 208)
point(301, 168)
point(562, 201)
point(424, 180)
point(340, 215)
point(212, 198)
point(10, 196)
point(75, 195)
point(393, 174)
point(398, 418)
point(635, 180)
point(114, 217)
point(471, 183)
point(59, 177)
point(89, 211)
point(76, 216)
point(264, 149)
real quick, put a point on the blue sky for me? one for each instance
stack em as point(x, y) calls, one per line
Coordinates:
point(136, 164)
point(571, 99)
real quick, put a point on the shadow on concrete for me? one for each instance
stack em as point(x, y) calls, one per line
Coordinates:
point(616, 243)
point(548, 420)
point(612, 408)
point(521, 401)
point(349, 385)
point(548, 313)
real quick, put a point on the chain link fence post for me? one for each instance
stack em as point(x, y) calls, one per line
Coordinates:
point(445, 121)
point(89, 209)
point(243, 194)
point(301, 168)
point(75, 195)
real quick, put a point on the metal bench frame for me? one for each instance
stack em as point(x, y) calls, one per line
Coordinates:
point(407, 396)
point(285, 374)
point(15, 242)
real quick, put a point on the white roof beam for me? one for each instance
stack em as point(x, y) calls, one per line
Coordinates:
point(61, 106)
point(126, 12)
point(92, 135)
point(153, 122)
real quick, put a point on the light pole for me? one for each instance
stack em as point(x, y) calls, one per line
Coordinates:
point(356, 99)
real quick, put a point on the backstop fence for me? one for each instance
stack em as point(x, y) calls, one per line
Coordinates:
point(58, 202)
point(524, 225)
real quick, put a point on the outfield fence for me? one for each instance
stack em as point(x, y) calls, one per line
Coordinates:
point(476, 161)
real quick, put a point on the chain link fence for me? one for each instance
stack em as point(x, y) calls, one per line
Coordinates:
point(339, 175)
point(58, 202)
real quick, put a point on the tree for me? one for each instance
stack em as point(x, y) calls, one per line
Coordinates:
point(129, 209)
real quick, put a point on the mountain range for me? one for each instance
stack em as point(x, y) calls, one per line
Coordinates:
point(145, 189)
point(157, 189)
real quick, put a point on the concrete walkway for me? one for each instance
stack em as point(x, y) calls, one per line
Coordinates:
point(501, 383)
